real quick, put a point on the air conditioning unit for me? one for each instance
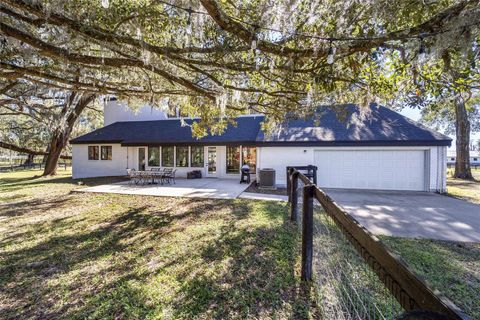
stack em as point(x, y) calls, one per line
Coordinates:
point(267, 179)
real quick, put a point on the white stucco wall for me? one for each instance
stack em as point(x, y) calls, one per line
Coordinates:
point(84, 168)
point(115, 111)
point(124, 158)
point(279, 158)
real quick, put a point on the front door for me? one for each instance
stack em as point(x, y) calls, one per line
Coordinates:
point(141, 159)
point(211, 164)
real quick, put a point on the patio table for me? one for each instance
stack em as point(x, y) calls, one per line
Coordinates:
point(157, 175)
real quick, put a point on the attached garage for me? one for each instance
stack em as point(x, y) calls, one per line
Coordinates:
point(372, 169)
point(372, 149)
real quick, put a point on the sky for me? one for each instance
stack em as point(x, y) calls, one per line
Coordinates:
point(414, 114)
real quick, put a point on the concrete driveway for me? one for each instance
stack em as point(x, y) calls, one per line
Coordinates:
point(412, 214)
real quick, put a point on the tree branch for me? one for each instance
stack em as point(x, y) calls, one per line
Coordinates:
point(56, 52)
point(13, 147)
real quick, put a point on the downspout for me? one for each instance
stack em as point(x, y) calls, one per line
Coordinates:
point(127, 155)
point(439, 188)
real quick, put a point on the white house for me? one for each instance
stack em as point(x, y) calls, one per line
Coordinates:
point(474, 158)
point(379, 149)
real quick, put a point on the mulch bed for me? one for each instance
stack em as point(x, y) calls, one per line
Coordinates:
point(254, 189)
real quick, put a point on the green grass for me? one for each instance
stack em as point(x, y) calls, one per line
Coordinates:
point(464, 189)
point(97, 256)
point(453, 268)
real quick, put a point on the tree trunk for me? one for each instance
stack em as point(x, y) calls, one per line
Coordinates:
point(57, 143)
point(29, 159)
point(462, 130)
point(62, 132)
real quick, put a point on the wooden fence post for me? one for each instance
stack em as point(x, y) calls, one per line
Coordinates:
point(294, 196)
point(307, 232)
point(289, 189)
point(315, 168)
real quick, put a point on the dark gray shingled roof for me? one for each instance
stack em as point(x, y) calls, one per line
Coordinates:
point(349, 125)
point(170, 132)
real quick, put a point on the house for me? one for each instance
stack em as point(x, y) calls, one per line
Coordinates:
point(364, 148)
point(474, 158)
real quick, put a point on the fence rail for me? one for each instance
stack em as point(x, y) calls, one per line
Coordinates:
point(410, 292)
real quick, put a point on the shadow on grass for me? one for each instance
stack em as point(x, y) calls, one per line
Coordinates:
point(451, 267)
point(18, 184)
point(463, 183)
point(254, 265)
point(20, 208)
point(261, 268)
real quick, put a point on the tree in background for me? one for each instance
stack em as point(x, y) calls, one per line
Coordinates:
point(218, 59)
point(36, 117)
point(447, 89)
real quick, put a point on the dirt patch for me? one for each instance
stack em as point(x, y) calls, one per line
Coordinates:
point(253, 187)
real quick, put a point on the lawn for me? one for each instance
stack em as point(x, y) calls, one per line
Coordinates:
point(464, 189)
point(75, 255)
point(453, 268)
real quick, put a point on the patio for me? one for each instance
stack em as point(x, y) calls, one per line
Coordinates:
point(191, 188)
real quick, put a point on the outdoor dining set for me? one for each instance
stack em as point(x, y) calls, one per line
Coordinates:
point(152, 176)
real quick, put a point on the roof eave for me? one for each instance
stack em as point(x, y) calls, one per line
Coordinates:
point(75, 141)
point(377, 143)
point(365, 143)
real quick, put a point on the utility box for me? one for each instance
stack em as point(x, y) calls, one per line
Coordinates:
point(267, 179)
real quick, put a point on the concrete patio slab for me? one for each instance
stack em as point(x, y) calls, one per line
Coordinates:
point(263, 196)
point(412, 214)
point(190, 188)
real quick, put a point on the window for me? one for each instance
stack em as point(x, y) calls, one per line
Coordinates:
point(106, 152)
point(167, 156)
point(92, 152)
point(182, 157)
point(196, 156)
point(233, 159)
point(154, 156)
point(452, 159)
point(475, 159)
point(249, 156)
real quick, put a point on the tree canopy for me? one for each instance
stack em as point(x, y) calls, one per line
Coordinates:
point(216, 59)
point(31, 113)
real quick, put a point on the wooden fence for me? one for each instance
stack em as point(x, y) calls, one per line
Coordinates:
point(410, 291)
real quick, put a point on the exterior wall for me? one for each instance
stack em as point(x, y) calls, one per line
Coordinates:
point(279, 158)
point(84, 168)
point(115, 111)
point(124, 158)
point(438, 169)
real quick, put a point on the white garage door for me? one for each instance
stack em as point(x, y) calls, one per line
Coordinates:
point(383, 170)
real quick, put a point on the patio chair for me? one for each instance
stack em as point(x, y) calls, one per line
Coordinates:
point(146, 176)
point(156, 174)
point(168, 175)
point(134, 176)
